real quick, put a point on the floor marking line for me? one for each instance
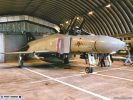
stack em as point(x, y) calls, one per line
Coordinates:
point(57, 78)
point(114, 77)
point(69, 76)
point(109, 69)
point(70, 85)
point(127, 70)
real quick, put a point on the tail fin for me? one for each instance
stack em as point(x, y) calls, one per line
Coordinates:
point(29, 37)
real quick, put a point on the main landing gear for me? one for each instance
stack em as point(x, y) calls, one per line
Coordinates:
point(66, 59)
point(20, 61)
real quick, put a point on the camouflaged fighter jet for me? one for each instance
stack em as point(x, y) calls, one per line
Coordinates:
point(57, 47)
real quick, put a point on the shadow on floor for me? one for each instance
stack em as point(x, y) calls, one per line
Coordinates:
point(49, 66)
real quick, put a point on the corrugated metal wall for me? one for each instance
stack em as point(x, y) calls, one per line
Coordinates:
point(24, 26)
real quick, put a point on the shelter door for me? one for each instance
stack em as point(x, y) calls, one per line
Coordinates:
point(1, 47)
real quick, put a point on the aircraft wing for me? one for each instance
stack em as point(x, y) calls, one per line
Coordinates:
point(24, 52)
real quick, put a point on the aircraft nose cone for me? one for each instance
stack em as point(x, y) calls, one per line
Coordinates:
point(105, 44)
point(121, 44)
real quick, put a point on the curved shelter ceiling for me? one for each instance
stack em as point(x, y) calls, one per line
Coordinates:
point(116, 19)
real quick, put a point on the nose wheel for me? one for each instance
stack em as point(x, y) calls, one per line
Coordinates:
point(89, 69)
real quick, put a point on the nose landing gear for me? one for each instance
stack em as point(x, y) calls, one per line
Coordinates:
point(66, 59)
point(20, 61)
point(91, 63)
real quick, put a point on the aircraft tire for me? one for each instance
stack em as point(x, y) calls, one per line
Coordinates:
point(131, 64)
point(66, 61)
point(89, 69)
point(21, 63)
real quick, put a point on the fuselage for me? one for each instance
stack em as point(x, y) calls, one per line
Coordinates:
point(59, 43)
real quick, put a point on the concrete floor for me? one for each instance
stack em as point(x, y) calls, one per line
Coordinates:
point(44, 81)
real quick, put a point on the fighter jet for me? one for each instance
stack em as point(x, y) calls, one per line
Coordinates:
point(73, 40)
point(59, 46)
